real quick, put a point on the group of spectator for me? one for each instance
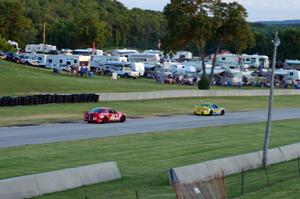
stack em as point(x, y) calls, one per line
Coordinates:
point(76, 70)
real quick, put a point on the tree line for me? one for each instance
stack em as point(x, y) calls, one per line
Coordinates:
point(108, 23)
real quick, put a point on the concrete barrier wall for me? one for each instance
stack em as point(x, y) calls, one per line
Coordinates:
point(233, 165)
point(55, 181)
point(189, 93)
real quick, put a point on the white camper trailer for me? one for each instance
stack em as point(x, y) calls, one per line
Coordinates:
point(181, 69)
point(34, 48)
point(160, 53)
point(288, 77)
point(144, 57)
point(292, 64)
point(123, 52)
point(40, 58)
point(99, 60)
point(87, 52)
point(65, 61)
point(244, 61)
point(183, 56)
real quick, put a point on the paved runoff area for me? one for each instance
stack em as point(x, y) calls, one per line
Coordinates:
point(18, 136)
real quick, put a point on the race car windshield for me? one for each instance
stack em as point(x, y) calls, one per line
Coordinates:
point(98, 110)
point(204, 104)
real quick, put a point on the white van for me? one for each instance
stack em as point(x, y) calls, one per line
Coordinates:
point(138, 67)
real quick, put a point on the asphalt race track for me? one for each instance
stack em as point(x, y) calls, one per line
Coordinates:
point(18, 136)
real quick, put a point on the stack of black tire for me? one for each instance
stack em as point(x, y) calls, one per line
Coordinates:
point(47, 99)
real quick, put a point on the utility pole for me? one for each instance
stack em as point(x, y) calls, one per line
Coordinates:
point(44, 34)
point(276, 43)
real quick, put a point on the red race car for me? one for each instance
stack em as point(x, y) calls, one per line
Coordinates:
point(104, 115)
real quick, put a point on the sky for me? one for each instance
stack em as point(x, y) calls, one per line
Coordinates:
point(258, 10)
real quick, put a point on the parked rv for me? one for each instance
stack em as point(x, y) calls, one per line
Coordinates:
point(288, 77)
point(97, 61)
point(160, 53)
point(183, 56)
point(34, 48)
point(39, 58)
point(144, 57)
point(292, 64)
point(243, 61)
point(123, 52)
point(87, 52)
point(66, 61)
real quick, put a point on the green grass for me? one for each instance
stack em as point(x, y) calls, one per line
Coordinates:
point(256, 184)
point(70, 112)
point(143, 159)
point(288, 188)
point(16, 79)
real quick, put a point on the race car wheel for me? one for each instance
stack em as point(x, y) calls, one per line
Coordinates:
point(195, 113)
point(104, 120)
point(123, 118)
point(211, 113)
point(222, 112)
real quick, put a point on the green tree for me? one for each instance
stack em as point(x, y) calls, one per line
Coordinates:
point(89, 31)
point(13, 25)
point(4, 45)
point(188, 20)
point(230, 26)
point(290, 44)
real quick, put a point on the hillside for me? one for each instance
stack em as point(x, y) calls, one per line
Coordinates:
point(295, 22)
point(17, 79)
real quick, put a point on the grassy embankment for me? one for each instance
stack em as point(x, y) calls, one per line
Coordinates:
point(145, 159)
point(16, 79)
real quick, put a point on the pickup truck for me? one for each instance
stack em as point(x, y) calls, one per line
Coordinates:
point(126, 72)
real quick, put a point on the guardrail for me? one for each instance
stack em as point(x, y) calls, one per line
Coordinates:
point(55, 181)
point(233, 165)
point(189, 93)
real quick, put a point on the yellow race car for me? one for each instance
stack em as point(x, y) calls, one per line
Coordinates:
point(208, 109)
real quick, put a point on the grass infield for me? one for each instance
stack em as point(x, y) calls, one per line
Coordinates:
point(145, 159)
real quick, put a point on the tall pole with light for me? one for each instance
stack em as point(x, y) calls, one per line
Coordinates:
point(276, 43)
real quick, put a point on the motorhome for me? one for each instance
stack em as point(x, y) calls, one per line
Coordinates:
point(160, 53)
point(40, 58)
point(87, 52)
point(99, 60)
point(123, 52)
point(34, 48)
point(292, 64)
point(243, 61)
point(183, 56)
point(65, 61)
point(288, 77)
point(144, 57)
point(182, 69)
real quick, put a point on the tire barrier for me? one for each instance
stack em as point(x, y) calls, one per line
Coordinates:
point(47, 99)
